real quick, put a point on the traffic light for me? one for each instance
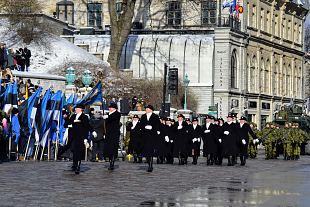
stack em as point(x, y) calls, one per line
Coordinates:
point(173, 81)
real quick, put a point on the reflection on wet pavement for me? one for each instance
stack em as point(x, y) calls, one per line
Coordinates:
point(276, 188)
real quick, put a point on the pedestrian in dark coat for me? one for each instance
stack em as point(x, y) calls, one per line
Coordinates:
point(98, 124)
point(150, 129)
point(27, 54)
point(181, 140)
point(219, 135)
point(135, 142)
point(209, 140)
point(79, 123)
point(68, 144)
point(194, 132)
point(230, 140)
point(161, 149)
point(113, 133)
point(244, 131)
point(168, 133)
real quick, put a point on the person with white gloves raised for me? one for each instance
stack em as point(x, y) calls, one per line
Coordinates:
point(230, 139)
point(219, 134)
point(194, 132)
point(111, 141)
point(181, 141)
point(168, 134)
point(209, 140)
point(79, 123)
point(244, 131)
point(135, 142)
point(149, 128)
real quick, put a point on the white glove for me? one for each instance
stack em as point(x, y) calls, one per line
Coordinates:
point(243, 141)
point(87, 145)
point(207, 131)
point(226, 132)
point(103, 136)
point(220, 140)
point(167, 138)
point(256, 141)
point(195, 139)
point(158, 132)
point(91, 144)
point(198, 139)
point(180, 127)
point(85, 141)
point(70, 126)
point(105, 116)
point(171, 141)
point(149, 127)
point(94, 134)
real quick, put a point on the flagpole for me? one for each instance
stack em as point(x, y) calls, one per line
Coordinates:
point(26, 152)
point(10, 138)
point(48, 149)
point(57, 141)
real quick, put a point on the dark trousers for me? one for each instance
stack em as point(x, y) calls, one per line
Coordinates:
point(97, 149)
point(66, 147)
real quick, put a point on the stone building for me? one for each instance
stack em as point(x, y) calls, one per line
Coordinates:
point(251, 64)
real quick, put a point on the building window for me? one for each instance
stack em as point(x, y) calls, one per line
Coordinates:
point(208, 11)
point(174, 13)
point(254, 16)
point(265, 105)
point(268, 20)
point(94, 15)
point(276, 25)
point(289, 31)
point(65, 11)
point(234, 70)
point(252, 104)
point(267, 78)
point(262, 20)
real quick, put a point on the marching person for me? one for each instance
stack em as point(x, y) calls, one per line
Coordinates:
point(80, 128)
point(195, 137)
point(111, 142)
point(180, 147)
point(135, 144)
point(244, 131)
point(161, 149)
point(209, 140)
point(98, 124)
point(219, 150)
point(229, 140)
point(150, 129)
point(169, 137)
point(66, 115)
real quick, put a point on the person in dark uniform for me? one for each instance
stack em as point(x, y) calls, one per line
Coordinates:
point(229, 140)
point(135, 142)
point(244, 131)
point(180, 148)
point(98, 124)
point(150, 128)
point(169, 137)
point(188, 121)
point(194, 132)
point(209, 140)
point(236, 123)
point(111, 142)
point(219, 132)
point(68, 145)
point(161, 149)
point(79, 124)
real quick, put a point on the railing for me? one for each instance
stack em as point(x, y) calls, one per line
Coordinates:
point(232, 22)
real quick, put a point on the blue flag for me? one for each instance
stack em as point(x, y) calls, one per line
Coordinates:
point(95, 95)
point(32, 108)
point(15, 128)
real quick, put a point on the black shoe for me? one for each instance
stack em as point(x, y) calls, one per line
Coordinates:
point(73, 167)
point(150, 169)
point(77, 171)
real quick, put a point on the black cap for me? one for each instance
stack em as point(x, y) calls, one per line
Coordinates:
point(180, 115)
point(243, 118)
point(150, 107)
point(81, 106)
point(187, 119)
point(168, 119)
point(113, 105)
point(14, 111)
point(212, 117)
point(195, 119)
point(230, 116)
point(221, 119)
point(208, 117)
point(135, 116)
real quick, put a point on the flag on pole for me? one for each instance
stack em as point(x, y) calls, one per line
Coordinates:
point(10, 97)
point(15, 127)
point(95, 95)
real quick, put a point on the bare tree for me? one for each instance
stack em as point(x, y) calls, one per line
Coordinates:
point(121, 23)
point(307, 38)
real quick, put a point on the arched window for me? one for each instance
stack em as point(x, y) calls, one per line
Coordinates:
point(233, 70)
point(267, 78)
point(253, 78)
point(65, 11)
point(275, 79)
point(262, 76)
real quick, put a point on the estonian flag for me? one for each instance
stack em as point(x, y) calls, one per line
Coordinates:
point(10, 97)
point(95, 95)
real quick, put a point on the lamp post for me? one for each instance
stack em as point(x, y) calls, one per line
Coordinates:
point(185, 82)
point(87, 78)
point(70, 76)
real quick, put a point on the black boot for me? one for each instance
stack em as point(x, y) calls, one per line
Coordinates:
point(195, 160)
point(243, 160)
point(150, 162)
point(230, 161)
point(140, 159)
point(74, 165)
point(77, 170)
point(135, 159)
point(208, 160)
point(234, 162)
point(111, 167)
point(211, 159)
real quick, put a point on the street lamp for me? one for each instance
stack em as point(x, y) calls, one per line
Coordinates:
point(185, 82)
point(87, 78)
point(70, 76)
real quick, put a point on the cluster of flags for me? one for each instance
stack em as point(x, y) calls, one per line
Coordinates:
point(42, 115)
point(233, 6)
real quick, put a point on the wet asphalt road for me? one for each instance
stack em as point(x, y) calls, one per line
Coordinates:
point(260, 183)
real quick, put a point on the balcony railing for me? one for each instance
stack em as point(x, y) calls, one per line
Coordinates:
point(232, 22)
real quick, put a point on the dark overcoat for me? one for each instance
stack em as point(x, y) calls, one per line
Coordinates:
point(111, 142)
point(135, 142)
point(98, 125)
point(181, 140)
point(79, 131)
point(169, 131)
point(209, 139)
point(230, 141)
point(195, 145)
point(149, 136)
point(243, 133)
